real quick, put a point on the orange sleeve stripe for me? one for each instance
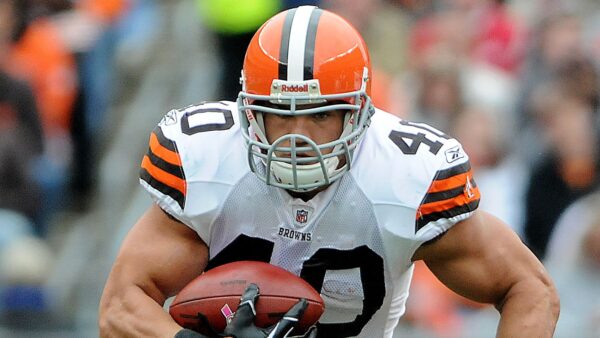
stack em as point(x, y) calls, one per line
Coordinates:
point(163, 176)
point(162, 152)
point(447, 204)
point(450, 182)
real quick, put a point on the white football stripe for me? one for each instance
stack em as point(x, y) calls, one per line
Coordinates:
point(298, 43)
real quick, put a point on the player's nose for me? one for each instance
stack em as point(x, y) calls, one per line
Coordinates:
point(300, 125)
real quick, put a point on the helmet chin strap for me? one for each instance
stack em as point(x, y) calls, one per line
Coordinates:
point(305, 173)
point(258, 126)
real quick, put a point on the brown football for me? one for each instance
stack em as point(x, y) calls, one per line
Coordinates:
point(215, 294)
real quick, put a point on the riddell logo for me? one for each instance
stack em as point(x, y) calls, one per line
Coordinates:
point(294, 88)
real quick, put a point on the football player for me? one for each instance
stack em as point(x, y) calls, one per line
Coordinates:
point(305, 173)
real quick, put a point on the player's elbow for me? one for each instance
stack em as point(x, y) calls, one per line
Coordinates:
point(553, 299)
point(548, 294)
point(537, 294)
point(549, 304)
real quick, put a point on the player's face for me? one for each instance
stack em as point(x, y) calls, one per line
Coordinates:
point(321, 127)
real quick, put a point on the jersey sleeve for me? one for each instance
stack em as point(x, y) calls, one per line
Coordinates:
point(452, 195)
point(195, 157)
point(162, 173)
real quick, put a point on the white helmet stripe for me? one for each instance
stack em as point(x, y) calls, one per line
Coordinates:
point(297, 45)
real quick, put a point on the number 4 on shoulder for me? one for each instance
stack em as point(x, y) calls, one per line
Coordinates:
point(398, 137)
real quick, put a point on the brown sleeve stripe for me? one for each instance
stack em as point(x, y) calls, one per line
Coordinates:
point(164, 141)
point(441, 205)
point(168, 184)
point(437, 196)
point(451, 178)
point(165, 189)
point(164, 148)
point(163, 154)
point(449, 183)
point(456, 170)
point(163, 176)
point(449, 213)
point(452, 191)
point(172, 169)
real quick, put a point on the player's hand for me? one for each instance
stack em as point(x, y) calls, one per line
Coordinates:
point(242, 323)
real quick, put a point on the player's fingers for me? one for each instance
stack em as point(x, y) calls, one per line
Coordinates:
point(297, 310)
point(246, 310)
point(290, 319)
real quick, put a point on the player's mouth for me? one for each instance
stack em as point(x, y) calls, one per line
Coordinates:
point(299, 156)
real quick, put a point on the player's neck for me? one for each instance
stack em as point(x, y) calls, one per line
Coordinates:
point(306, 195)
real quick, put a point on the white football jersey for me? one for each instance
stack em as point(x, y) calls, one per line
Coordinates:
point(353, 242)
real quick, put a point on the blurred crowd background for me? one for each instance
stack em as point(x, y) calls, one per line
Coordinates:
point(83, 82)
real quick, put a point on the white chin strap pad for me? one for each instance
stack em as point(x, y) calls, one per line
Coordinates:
point(305, 173)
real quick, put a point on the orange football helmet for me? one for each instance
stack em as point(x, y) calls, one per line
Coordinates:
point(301, 56)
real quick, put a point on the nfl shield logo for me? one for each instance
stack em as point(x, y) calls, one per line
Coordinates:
point(301, 216)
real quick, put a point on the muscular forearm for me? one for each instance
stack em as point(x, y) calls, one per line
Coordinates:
point(529, 309)
point(132, 313)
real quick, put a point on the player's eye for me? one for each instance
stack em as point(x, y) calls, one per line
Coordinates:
point(321, 116)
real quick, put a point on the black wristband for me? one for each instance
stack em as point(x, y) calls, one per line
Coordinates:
point(187, 333)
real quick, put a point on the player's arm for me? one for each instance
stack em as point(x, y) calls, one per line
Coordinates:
point(483, 260)
point(157, 258)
